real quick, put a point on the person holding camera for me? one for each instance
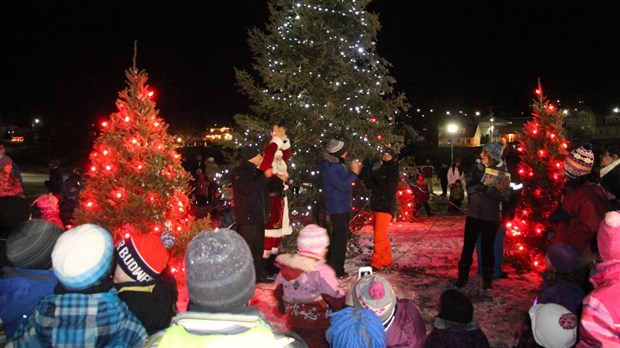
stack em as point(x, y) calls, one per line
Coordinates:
point(382, 180)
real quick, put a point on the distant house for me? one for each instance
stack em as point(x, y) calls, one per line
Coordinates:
point(467, 136)
point(491, 127)
point(608, 128)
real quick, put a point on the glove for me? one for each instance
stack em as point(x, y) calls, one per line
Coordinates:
point(559, 215)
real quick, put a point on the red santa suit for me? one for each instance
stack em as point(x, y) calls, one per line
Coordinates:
point(277, 154)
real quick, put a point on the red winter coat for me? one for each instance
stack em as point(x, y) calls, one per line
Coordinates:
point(586, 205)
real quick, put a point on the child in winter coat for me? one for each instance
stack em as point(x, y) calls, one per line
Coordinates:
point(148, 292)
point(599, 320)
point(307, 288)
point(457, 195)
point(85, 310)
point(401, 319)
point(421, 195)
point(29, 250)
point(455, 325)
point(46, 207)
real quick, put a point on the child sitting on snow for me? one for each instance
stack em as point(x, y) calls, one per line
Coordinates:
point(148, 292)
point(307, 288)
point(401, 319)
point(455, 325)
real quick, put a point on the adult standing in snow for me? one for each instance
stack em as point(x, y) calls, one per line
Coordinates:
point(277, 154)
point(442, 174)
point(251, 206)
point(483, 215)
point(211, 170)
point(428, 171)
point(583, 205)
point(54, 183)
point(610, 173)
point(337, 181)
point(455, 172)
point(382, 180)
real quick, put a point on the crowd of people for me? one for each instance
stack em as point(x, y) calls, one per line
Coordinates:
point(70, 285)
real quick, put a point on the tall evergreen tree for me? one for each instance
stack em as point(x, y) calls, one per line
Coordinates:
point(136, 183)
point(542, 147)
point(320, 75)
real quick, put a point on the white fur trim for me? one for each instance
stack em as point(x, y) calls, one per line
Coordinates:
point(296, 261)
point(612, 219)
point(273, 233)
point(281, 143)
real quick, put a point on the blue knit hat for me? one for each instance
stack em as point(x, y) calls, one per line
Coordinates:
point(82, 256)
point(355, 328)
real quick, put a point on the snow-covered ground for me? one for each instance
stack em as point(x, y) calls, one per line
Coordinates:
point(426, 254)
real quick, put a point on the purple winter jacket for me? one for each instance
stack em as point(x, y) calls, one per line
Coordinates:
point(407, 329)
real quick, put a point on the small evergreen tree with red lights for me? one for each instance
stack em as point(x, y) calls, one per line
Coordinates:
point(542, 147)
point(136, 183)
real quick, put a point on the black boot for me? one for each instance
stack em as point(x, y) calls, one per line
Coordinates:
point(487, 278)
point(463, 276)
point(270, 268)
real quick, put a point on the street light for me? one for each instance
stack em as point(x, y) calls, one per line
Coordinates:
point(452, 128)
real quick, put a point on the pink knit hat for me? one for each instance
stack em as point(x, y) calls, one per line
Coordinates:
point(312, 240)
point(609, 236)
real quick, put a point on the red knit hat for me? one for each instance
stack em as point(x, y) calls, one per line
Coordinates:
point(142, 257)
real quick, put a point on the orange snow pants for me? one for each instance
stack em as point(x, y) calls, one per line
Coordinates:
point(382, 252)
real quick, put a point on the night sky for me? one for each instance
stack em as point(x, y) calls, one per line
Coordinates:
point(64, 61)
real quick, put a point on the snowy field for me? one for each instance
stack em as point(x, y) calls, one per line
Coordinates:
point(426, 254)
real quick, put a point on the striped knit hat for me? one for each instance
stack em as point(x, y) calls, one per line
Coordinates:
point(375, 293)
point(312, 240)
point(335, 147)
point(31, 243)
point(82, 256)
point(579, 161)
point(142, 257)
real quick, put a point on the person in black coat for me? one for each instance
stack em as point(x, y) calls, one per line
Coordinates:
point(250, 189)
point(442, 173)
point(382, 180)
point(610, 173)
point(54, 183)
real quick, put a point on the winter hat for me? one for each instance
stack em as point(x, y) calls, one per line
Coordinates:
point(312, 240)
point(455, 306)
point(219, 271)
point(82, 256)
point(211, 160)
point(335, 147)
point(564, 257)
point(4, 160)
point(142, 257)
point(553, 325)
point(31, 243)
point(609, 236)
point(495, 150)
point(390, 151)
point(13, 211)
point(355, 328)
point(579, 161)
point(249, 152)
point(375, 293)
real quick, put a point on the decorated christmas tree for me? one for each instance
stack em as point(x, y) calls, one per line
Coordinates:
point(542, 149)
point(318, 73)
point(136, 183)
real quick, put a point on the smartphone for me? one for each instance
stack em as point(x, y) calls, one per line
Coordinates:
point(364, 271)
